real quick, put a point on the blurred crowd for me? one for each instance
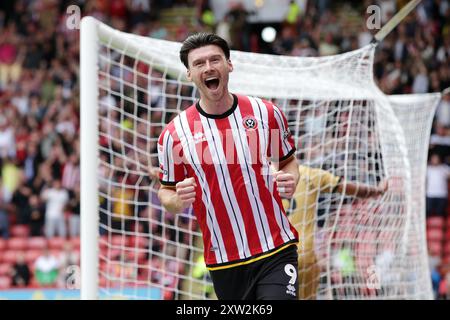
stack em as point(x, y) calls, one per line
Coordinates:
point(39, 91)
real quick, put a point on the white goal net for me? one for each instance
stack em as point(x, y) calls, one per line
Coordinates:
point(343, 126)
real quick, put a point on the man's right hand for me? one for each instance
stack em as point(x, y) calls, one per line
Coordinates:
point(186, 192)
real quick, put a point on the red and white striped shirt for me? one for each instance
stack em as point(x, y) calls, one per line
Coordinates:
point(237, 206)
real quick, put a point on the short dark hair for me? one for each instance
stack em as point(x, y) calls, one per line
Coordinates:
point(199, 40)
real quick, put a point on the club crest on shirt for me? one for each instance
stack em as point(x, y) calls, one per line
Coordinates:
point(250, 123)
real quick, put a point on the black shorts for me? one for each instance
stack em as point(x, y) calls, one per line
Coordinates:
point(271, 278)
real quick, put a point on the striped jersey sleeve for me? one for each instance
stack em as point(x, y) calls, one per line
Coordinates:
point(171, 166)
point(281, 141)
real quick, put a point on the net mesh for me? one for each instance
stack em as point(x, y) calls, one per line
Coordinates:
point(345, 130)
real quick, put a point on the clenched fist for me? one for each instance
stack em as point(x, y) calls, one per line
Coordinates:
point(285, 184)
point(186, 192)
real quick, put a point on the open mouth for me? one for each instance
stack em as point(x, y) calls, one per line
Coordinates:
point(212, 83)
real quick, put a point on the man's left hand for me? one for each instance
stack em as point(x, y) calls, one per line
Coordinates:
point(285, 184)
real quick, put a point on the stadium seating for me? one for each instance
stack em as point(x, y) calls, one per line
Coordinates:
point(9, 256)
point(22, 231)
point(19, 244)
point(56, 243)
point(435, 234)
point(31, 255)
point(435, 248)
point(37, 243)
point(5, 269)
point(447, 248)
point(435, 222)
point(5, 282)
point(2, 244)
point(75, 242)
point(56, 253)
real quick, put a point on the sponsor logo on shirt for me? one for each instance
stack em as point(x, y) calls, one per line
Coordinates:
point(199, 137)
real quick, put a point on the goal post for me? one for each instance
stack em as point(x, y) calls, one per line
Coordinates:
point(343, 126)
point(89, 158)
